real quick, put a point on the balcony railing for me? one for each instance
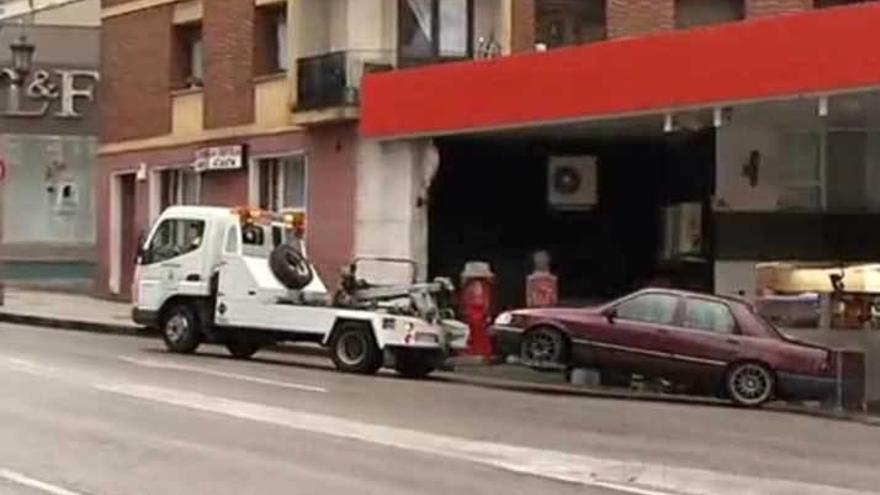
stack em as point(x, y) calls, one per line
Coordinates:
point(334, 79)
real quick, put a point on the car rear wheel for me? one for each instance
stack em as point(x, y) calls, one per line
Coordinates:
point(542, 347)
point(750, 384)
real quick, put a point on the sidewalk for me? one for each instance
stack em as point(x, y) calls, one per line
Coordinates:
point(76, 312)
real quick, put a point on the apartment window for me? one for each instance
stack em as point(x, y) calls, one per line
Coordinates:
point(693, 13)
point(569, 22)
point(282, 183)
point(189, 60)
point(179, 186)
point(820, 4)
point(271, 46)
point(434, 30)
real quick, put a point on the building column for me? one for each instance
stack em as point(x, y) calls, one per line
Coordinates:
point(391, 212)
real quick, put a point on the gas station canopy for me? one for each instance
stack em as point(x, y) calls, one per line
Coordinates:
point(814, 54)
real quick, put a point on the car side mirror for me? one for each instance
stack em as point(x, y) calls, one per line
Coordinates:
point(611, 315)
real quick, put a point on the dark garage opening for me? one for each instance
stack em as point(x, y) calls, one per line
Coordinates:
point(489, 202)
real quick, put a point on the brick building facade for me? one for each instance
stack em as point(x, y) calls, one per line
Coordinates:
point(282, 80)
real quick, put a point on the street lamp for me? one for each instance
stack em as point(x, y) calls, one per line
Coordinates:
point(22, 57)
point(22, 64)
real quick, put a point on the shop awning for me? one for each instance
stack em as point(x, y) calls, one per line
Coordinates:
point(819, 52)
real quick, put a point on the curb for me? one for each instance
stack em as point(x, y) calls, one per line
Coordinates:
point(76, 325)
point(570, 391)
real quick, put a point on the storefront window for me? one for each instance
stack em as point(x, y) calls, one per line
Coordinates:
point(837, 171)
point(800, 174)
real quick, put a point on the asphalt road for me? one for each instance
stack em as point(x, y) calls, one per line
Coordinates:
point(86, 414)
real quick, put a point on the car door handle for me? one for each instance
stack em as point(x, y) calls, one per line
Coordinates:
point(170, 265)
point(732, 341)
point(662, 331)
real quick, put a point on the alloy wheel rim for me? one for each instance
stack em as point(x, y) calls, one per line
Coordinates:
point(751, 384)
point(541, 347)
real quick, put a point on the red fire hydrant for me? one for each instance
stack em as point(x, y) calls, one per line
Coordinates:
point(478, 286)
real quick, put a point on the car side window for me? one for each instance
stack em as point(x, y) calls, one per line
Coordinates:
point(710, 316)
point(649, 308)
point(173, 238)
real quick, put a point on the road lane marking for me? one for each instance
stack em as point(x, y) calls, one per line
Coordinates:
point(22, 480)
point(626, 476)
point(636, 478)
point(158, 364)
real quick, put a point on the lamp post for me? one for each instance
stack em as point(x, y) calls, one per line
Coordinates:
point(22, 64)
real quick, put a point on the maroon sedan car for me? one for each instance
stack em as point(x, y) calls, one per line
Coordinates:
point(713, 344)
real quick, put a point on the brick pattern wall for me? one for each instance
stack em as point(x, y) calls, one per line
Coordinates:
point(135, 62)
point(522, 37)
point(228, 37)
point(760, 8)
point(637, 17)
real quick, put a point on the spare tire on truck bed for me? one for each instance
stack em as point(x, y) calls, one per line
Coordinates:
point(290, 267)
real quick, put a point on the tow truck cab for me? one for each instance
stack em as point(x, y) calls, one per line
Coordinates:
point(204, 275)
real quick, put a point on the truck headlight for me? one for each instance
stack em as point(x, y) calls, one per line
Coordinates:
point(505, 318)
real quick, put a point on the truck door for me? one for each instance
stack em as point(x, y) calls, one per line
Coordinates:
point(172, 262)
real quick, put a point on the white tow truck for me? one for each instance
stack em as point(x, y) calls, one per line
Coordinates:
point(240, 277)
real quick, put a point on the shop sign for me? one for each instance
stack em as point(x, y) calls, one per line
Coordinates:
point(220, 158)
point(59, 93)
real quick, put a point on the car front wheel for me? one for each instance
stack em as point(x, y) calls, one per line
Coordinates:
point(543, 347)
point(750, 384)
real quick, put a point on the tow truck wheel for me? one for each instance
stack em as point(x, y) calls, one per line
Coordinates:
point(181, 330)
point(354, 350)
point(242, 349)
point(412, 368)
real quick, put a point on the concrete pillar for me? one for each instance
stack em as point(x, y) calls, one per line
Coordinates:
point(391, 216)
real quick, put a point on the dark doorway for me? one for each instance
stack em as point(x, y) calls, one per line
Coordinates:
point(489, 202)
point(128, 232)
